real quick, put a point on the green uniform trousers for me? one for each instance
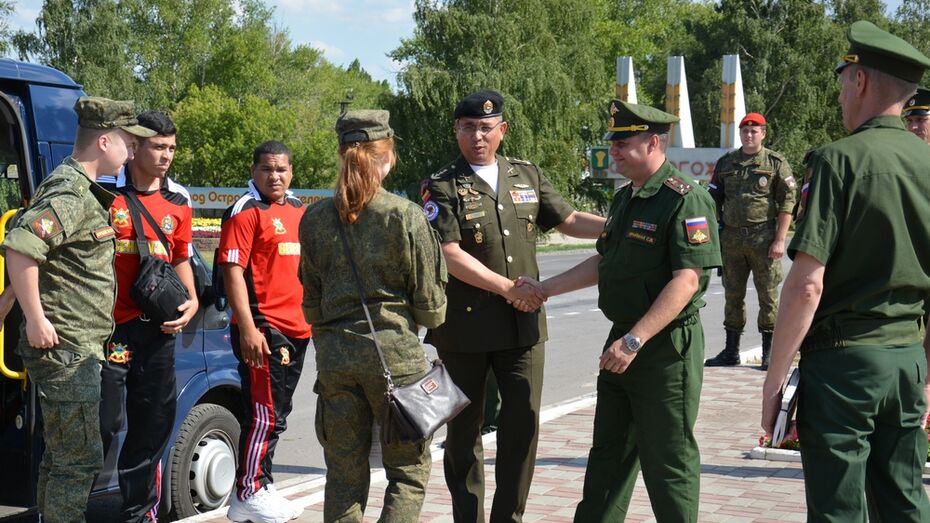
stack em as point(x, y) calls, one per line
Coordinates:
point(69, 395)
point(645, 417)
point(347, 406)
point(519, 374)
point(862, 446)
point(745, 250)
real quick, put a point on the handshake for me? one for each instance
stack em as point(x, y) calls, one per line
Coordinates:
point(526, 294)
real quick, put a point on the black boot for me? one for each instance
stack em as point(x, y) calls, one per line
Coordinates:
point(729, 356)
point(766, 349)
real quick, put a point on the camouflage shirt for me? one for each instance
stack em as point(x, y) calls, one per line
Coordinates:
point(403, 273)
point(67, 231)
point(754, 189)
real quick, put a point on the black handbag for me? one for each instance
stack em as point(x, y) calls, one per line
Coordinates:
point(157, 290)
point(413, 412)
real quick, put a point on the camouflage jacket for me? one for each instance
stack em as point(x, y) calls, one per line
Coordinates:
point(403, 274)
point(66, 229)
point(752, 190)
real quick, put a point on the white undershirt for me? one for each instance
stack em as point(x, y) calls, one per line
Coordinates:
point(488, 173)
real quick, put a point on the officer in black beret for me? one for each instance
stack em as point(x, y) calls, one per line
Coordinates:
point(917, 114)
point(488, 210)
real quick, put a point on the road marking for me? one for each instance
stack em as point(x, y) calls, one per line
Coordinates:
point(572, 313)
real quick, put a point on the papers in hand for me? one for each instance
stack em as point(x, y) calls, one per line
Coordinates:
point(789, 402)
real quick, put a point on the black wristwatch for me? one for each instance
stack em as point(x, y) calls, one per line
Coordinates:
point(633, 344)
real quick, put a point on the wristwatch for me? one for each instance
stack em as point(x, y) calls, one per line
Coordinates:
point(633, 343)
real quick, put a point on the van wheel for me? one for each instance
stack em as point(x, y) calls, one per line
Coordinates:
point(203, 463)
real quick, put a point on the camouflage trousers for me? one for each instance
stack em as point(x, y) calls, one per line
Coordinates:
point(68, 384)
point(347, 407)
point(746, 250)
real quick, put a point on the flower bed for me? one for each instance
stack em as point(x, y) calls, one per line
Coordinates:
point(206, 227)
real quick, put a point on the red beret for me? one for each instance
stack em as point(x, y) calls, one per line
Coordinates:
point(752, 119)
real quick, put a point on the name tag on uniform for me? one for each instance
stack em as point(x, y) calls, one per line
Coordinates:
point(104, 232)
point(474, 215)
point(524, 196)
point(640, 237)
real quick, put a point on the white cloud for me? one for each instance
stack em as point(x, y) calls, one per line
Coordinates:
point(397, 15)
point(310, 7)
point(332, 53)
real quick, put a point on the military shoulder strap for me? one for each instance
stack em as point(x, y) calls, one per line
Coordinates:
point(676, 184)
point(518, 161)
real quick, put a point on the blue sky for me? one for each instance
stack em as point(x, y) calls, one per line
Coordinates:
point(343, 29)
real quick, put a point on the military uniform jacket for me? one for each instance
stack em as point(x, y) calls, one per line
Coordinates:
point(403, 273)
point(668, 225)
point(67, 231)
point(754, 190)
point(499, 230)
point(864, 214)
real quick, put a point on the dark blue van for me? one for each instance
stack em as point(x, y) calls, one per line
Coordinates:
point(37, 126)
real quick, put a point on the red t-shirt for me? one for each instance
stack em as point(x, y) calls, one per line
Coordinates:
point(171, 208)
point(261, 237)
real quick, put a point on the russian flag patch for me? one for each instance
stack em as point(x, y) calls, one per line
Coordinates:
point(697, 230)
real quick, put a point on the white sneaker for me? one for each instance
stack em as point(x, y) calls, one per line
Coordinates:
point(295, 509)
point(262, 507)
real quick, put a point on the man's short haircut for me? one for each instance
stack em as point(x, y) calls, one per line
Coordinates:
point(159, 122)
point(270, 147)
point(888, 88)
point(86, 137)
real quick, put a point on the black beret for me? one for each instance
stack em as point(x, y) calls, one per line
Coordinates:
point(482, 104)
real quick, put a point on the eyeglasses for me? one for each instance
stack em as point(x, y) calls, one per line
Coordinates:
point(469, 129)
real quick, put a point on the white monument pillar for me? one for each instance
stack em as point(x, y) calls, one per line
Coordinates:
point(626, 82)
point(678, 103)
point(732, 102)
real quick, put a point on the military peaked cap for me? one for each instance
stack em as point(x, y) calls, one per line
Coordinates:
point(482, 104)
point(919, 104)
point(95, 112)
point(627, 119)
point(883, 51)
point(364, 125)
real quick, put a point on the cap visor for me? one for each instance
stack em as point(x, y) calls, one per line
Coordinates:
point(840, 66)
point(613, 135)
point(919, 112)
point(138, 130)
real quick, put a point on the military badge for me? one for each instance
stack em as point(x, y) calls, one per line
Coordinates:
point(646, 226)
point(488, 107)
point(120, 217)
point(763, 181)
point(278, 226)
point(697, 230)
point(529, 227)
point(789, 181)
point(119, 353)
point(471, 206)
point(431, 210)
point(285, 355)
point(167, 224)
point(521, 186)
point(479, 237)
point(524, 196)
point(47, 225)
point(424, 191)
point(462, 191)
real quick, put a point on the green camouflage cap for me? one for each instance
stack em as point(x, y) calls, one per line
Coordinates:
point(364, 125)
point(95, 112)
point(627, 119)
point(919, 104)
point(878, 49)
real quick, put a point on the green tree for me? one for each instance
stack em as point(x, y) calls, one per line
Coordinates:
point(912, 23)
point(6, 33)
point(537, 53)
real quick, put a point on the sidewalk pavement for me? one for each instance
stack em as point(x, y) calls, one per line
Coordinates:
point(734, 488)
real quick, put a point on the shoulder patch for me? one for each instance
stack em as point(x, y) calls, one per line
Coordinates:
point(697, 230)
point(439, 174)
point(678, 185)
point(431, 210)
point(47, 225)
point(518, 161)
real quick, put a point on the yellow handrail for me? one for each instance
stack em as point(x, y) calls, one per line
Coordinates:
point(6, 371)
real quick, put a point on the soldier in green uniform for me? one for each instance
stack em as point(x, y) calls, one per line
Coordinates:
point(652, 268)
point(488, 210)
point(917, 114)
point(755, 195)
point(855, 299)
point(60, 259)
point(403, 275)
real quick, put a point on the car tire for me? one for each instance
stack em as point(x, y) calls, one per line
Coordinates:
point(204, 460)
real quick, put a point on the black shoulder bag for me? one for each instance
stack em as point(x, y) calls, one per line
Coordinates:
point(158, 289)
point(414, 412)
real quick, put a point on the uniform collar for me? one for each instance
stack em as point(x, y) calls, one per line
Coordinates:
point(757, 159)
point(654, 183)
point(103, 196)
point(884, 121)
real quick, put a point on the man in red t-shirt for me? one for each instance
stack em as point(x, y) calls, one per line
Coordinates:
point(140, 355)
point(260, 254)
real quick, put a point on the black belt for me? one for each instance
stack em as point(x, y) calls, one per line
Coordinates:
point(753, 228)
